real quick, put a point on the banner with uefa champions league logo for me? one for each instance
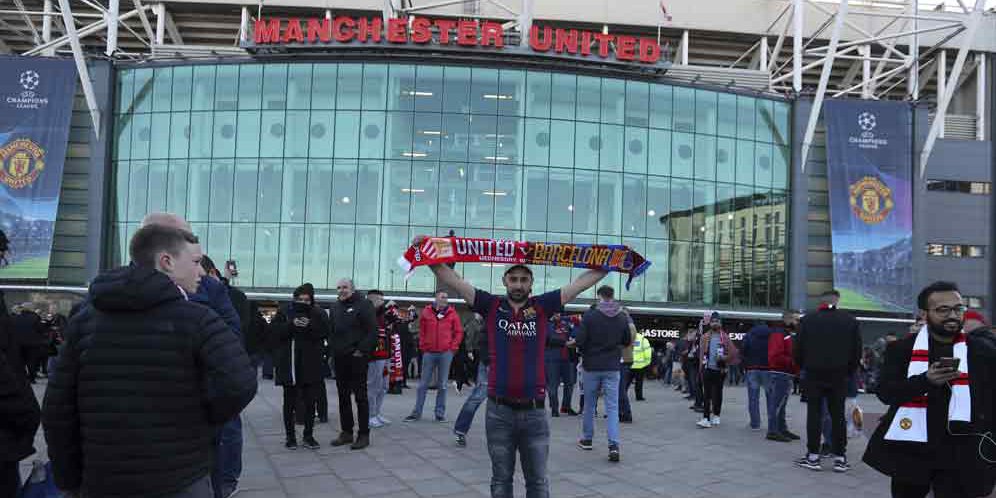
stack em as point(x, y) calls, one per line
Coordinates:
point(36, 105)
point(869, 168)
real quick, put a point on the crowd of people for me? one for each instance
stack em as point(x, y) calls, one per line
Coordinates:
point(148, 376)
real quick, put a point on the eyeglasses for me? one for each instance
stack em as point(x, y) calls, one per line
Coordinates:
point(947, 310)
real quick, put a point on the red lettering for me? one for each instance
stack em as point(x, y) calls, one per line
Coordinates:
point(603, 44)
point(650, 51)
point(467, 33)
point(444, 26)
point(420, 30)
point(321, 31)
point(626, 47)
point(371, 29)
point(267, 31)
point(342, 29)
point(293, 31)
point(493, 34)
point(586, 43)
point(535, 41)
point(566, 40)
point(397, 31)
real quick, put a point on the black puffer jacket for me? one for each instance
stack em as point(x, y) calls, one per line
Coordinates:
point(19, 412)
point(305, 343)
point(143, 380)
point(354, 326)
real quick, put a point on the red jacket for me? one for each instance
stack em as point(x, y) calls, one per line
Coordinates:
point(780, 358)
point(439, 335)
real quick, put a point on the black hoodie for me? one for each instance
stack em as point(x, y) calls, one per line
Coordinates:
point(142, 383)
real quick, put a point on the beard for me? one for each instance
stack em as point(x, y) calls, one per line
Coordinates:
point(941, 328)
point(518, 296)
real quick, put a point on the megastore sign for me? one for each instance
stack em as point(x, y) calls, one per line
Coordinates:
point(342, 31)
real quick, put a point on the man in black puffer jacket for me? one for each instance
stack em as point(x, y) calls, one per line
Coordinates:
point(144, 379)
point(19, 413)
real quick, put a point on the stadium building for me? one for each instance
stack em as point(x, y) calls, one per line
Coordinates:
point(310, 141)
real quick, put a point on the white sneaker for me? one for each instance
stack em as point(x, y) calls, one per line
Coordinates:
point(376, 423)
point(714, 420)
point(383, 420)
point(704, 423)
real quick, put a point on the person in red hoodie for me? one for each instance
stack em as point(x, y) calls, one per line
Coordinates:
point(782, 371)
point(439, 337)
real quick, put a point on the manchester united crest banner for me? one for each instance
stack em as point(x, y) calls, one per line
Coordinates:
point(36, 104)
point(869, 163)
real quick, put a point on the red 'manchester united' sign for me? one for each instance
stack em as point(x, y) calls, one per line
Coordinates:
point(316, 31)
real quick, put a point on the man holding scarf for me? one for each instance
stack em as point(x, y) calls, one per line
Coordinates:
point(940, 384)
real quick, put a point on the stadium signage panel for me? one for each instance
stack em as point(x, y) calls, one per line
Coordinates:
point(344, 30)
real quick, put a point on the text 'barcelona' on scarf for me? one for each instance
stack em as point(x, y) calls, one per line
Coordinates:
point(441, 250)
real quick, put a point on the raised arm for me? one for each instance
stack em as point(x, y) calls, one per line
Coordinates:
point(449, 278)
point(584, 282)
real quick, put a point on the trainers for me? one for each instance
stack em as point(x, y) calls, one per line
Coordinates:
point(585, 444)
point(754, 429)
point(375, 423)
point(613, 453)
point(310, 443)
point(791, 435)
point(840, 464)
point(714, 420)
point(290, 444)
point(811, 462)
point(704, 423)
point(411, 418)
point(441, 420)
point(461, 440)
point(362, 441)
point(343, 439)
point(781, 438)
point(383, 420)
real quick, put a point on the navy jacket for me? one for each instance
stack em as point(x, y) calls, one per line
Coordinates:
point(755, 348)
point(214, 295)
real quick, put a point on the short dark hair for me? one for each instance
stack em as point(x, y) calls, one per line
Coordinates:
point(831, 292)
point(151, 240)
point(606, 291)
point(208, 264)
point(939, 286)
point(441, 291)
point(375, 292)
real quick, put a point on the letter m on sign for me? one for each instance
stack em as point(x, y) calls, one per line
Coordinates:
point(267, 31)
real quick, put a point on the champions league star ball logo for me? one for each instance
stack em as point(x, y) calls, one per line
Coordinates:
point(867, 121)
point(871, 200)
point(29, 80)
point(29, 98)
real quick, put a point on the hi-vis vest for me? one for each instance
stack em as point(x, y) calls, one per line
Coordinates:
point(642, 352)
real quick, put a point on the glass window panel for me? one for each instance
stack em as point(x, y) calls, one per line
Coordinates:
point(656, 278)
point(483, 138)
point(537, 142)
point(452, 194)
point(141, 136)
point(369, 183)
point(455, 138)
point(224, 134)
point(727, 121)
point(659, 159)
point(683, 154)
point(372, 132)
point(636, 150)
point(392, 239)
point(508, 196)
point(162, 89)
point(744, 216)
point(290, 269)
point(679, 272)
point(247, 134)
point(295, 187)
point(266, 256)
point(200, 134)
point(299, 86)
point(563, 96)
point(745, 162)
point(367, 256)
point(508, 147)
point(481, 196)
point(321, 131)
point(203, 88)
point(585, 203)
point(512, 91)
point(705, 112)
point(637, 103)
point(226, 82)
point(705, 157)
point(250, 87)
point(246, 183)
point(765, 121)
point(180, 88)
point(198, 190)
point(219, 241)
point(613, 100)
point(397, 192)
point(273, 128)
point(704, 212)
point(176, 188)
point(479, 274)
point(745, 117)
point(349, 86)
point(589, 98)
point(484, 92)
point(344, 175)
point(557, 276)
point(243, 237)
point(635, 214)
point(562, 134)
point(374, 86)
point(726, 159)
point(725, 214)
point(143, 90)
point(560, 211)
point(538, 94)
point(724, 274)
point(762, 172)
point(781, 157)
point(658, 207)
point(424, 198)
point(703, 270)
point(296, 144)
point(122, 136)
point(661, 106)
point(401, 88)
point(341, 259)
point(125, 91)
point(179, 134)
point(610, 201)
point(319, 188)
point(316, 255)
point(271, 172)
point(535, 198)
point(222, 181)
point(576, 272)
point(587, 145)
point(427, 136)
point(680, 221)
point(429, 86)
point(684, 109)
point(637, 289)
point(138, 191)
point(611, 153)
point(782, 131)
point(158, 176)
point(539, 272)
point(347, 133)
point(324, 86)
point(456, 90)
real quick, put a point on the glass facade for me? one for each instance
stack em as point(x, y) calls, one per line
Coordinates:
point(313, 172)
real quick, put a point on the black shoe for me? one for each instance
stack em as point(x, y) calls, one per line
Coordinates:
point(554, 413)
point(411, 418)
point(641, 399)
point(781, 438)
point(584, 444)
point(569, 411)
point(310, 443)
point(613, 453)
point(809, 463)
point(343, 439)
point(791, 435)
point(840, 465)
point(362, 441)
point(461, 440)
point(626, 420)
point(290, 444)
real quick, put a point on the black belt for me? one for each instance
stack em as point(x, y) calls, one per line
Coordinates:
point(517, 403)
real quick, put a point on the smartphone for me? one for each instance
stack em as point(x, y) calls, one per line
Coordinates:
point(232, 268)
point(949, 362)
point(301, 309)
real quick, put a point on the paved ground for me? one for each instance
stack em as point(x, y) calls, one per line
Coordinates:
point(664, 455)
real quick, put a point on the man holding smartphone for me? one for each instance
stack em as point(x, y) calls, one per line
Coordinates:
point(939, 384)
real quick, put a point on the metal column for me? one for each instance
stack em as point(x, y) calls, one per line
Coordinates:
point(112, 26)
point(47, 28)
point(942, 74)
point(797, 20)
point(980, 97)
point(866, 65)
point(814, 115)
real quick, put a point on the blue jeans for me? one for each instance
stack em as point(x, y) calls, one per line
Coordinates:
point(477, 396)
point(757, 380)
point(625, 379)
point(781, 386)
point(667, 369)
point(228, 458)
point(559, 370)
point(376, 386)
point(608, 382)
point(526, 432)
point(440, 362)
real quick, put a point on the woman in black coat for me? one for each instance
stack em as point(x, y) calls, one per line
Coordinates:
point(19, 413)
